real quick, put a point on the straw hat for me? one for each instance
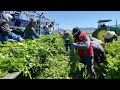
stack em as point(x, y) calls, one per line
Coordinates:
point(109, 34)
point(66, 31)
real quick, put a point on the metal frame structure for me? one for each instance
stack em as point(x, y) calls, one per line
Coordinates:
point(35, 14)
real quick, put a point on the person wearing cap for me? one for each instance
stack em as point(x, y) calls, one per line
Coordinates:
point(68, 39)
point(30, 30)
point(99, 57)
point(110, 36)
point(99, 53)
point(98, 48)
point(6, 33)
point(85, 50)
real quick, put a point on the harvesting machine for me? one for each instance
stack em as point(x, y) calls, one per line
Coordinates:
point(19, 24)
point(102, 29)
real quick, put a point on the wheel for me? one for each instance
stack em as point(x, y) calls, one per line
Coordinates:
point(100, 34)
point(94, 34)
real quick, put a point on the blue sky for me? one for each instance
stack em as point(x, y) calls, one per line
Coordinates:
point(70, 19)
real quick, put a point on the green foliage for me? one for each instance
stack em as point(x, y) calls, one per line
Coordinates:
point(113, 59)
point(75, 65)
point(38, 58)
point(46, 58)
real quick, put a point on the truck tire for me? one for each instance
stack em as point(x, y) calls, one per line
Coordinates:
point(94, 34)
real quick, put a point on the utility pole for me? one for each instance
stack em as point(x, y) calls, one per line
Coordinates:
point(58, 26)
point(116, 25)
point(53, 25)
point(39, 21)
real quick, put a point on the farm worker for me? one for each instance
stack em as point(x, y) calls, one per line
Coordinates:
point(30, 30)
point(68, 39)
point(110, 36)
point(98, 49)
point(99, 52)
point(8, 17)
point(6, 33)
point(47, 28)
point(97, 40)
point(85, 50)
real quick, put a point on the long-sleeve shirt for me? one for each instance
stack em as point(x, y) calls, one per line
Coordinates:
point(115, 37)
point(94, 39)
point(69, 37)
point(111, 39)
point(29, 31)
point(97, 47)
point(46, 29)
point(85, 44)
point(97, 40)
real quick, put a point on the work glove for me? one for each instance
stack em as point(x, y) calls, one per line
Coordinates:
point(73, 45)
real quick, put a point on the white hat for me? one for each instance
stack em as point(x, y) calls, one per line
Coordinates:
point(109, 34)
point(66, 31)
point(8, 17)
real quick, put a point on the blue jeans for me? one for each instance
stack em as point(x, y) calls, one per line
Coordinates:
point(32, 36)
point(36, 35)
point(14, 36)
point(47, 33)
point(4, 38)
point(89, 62)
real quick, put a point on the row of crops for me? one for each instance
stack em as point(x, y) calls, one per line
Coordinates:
point(46, 58)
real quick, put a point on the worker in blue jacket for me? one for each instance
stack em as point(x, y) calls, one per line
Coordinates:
point(6, 33)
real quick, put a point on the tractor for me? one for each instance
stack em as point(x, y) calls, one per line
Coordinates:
point(102, 29)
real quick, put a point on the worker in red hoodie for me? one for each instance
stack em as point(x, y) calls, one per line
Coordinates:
point(85, 50)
